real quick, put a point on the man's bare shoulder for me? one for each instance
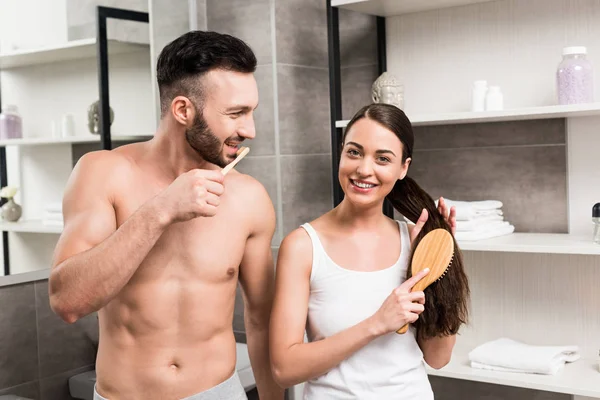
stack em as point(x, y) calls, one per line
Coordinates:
point(248, 188)
point(251, 196)
point(109, 163)
point(100, 172)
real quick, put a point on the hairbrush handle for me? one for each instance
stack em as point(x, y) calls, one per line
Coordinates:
point(419, 286)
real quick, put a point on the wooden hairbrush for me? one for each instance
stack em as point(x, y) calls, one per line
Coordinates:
point(241, 153)
point(435, 251)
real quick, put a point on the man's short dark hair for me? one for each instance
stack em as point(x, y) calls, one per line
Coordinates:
point(193, 54)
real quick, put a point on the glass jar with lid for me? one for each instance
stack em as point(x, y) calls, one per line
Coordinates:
point(10, 123)
point(575, 77)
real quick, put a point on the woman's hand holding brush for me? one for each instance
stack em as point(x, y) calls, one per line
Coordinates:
point(401, 307)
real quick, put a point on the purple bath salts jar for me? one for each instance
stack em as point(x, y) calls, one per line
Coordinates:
point(575, 77)
point(10, 123)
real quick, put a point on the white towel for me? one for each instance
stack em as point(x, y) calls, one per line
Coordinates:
point(480, 223)
point(53, 216)
point(469, 210)
point(494, 231)
point(512, 356)
point(53, 207)
point(49, 222)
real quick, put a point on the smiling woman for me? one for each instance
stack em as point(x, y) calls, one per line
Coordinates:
point(446, 305)
point(344, 278)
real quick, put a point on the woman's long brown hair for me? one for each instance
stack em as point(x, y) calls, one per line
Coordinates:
point(446, 301)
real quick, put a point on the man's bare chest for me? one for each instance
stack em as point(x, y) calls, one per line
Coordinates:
point(206, 248)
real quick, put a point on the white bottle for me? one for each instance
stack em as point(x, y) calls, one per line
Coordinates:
point(478, 96)
point(494, 100)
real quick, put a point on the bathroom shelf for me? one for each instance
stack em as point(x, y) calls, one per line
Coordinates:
point(32, 226)
point(546, 112)
point(389, 8)
point(70, 139)
point(580, 378)
point(73, 50)
point(553, 243)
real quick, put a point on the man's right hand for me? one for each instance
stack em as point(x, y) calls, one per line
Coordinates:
point(401, 307)
point(193, 194)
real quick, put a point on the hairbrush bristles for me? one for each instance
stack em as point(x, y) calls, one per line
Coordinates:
point(435, 251)
point(446, 271)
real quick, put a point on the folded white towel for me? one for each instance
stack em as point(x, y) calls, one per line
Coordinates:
point(53, 207)
point(49, 222)
point(468, 210)
point(478, 205)
point(501, 230)
point(53, 216)
point(479, 224)
point(512, 356)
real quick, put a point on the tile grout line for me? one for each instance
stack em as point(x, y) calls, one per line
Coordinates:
point(279, 178)
point(306, 155)
point(303, 66)
point(291, 155)
point(37, 334)
point(510, 146)
point(193, 15)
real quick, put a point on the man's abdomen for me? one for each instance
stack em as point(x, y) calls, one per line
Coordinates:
point(168, 339)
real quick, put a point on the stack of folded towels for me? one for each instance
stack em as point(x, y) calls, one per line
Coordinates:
point(476, 220)
point(509, 355)
point(53, 215)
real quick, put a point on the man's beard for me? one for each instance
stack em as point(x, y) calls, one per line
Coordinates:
point(206, 144)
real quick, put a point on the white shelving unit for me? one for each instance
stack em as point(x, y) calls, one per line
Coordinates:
point(578, 378)
point(46, 83)
point(568, 111)
point(524, 284)
point(41, 141)
point(31, 226)
point(389, 8)
point(74, 50)
point(547, 243)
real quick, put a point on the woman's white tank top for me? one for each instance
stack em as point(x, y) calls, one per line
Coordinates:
point(390, 367)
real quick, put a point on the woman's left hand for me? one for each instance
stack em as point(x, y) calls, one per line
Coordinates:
point(449, 216)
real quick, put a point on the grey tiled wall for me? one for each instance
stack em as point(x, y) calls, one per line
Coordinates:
point(358, 59)
point(456, 389)
point(521, 163)
point(39, 351)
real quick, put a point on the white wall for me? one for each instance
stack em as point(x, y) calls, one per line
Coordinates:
point(512, 43)
point(32, 23)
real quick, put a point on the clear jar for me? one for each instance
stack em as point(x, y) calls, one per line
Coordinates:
point(11, 126)
point(575, 77)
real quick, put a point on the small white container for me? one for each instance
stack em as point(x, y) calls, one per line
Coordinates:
point(478, 96)
point(494, 100)
point(68, 125)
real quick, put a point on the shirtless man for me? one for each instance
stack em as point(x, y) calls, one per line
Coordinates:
point(156, 238)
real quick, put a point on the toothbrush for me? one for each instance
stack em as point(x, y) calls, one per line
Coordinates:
point(241, 153)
